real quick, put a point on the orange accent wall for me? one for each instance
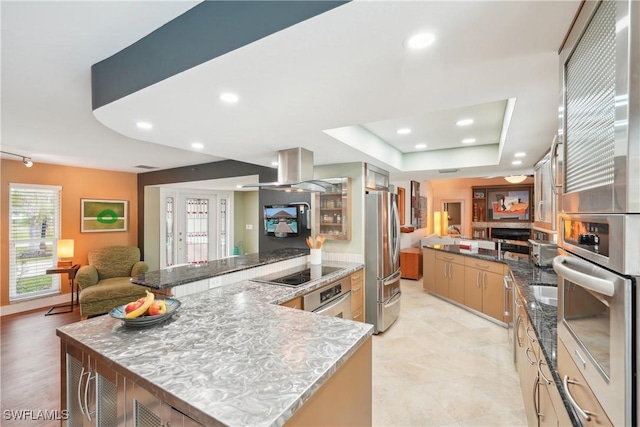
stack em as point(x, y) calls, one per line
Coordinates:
point(76, 183)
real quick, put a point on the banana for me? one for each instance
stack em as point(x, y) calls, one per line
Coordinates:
point(143, 308)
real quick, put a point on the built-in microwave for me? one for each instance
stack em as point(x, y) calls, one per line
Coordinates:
point(599, 125)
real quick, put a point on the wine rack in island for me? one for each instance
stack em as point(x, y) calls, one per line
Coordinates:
point(333, 211)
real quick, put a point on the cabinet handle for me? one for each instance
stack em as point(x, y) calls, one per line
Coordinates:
point(482, 265)
point(565, 384)
point(356, 315)
point(356, 289)
point(86, 394)
point(82, 373)
point(517, 327)
point(450, 271)
point(544, 377)
point(529, 336)
point(526, 354)
point(450, 258)
point(478, 279)
point(445, 270)
point(535, 397)
point(484, 280)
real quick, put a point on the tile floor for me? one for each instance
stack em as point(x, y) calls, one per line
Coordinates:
point(440, 365)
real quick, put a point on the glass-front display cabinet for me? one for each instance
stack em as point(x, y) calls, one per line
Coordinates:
point(333, 211)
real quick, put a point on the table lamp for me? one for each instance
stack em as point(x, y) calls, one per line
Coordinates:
point(65, 252)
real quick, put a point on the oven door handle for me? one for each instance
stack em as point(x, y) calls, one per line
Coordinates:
point(563, 267)
point(333, 304)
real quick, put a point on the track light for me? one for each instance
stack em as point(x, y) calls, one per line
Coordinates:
point(26, 160)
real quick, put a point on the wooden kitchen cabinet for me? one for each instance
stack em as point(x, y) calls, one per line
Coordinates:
point(428, 270)
point(333, 211)
point(483, 287)
point(411, 263)
point(357, 296)
point(580, 390)
point(449, 276)
point(293, 303)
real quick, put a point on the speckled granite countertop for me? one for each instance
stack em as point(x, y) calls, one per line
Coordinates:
point(544, 318)
point(179, 275)
point(230, 355)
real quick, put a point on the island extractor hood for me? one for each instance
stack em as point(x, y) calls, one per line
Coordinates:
point(295, 173)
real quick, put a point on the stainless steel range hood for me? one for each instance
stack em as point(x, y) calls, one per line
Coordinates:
point(295, 173)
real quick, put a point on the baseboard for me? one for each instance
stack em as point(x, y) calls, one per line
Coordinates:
point(34, 304)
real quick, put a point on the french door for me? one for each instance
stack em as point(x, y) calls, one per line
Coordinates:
point(195, 228)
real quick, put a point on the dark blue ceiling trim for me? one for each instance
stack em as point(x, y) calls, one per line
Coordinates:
point(208, 30)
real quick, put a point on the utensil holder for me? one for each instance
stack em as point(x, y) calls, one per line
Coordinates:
point(315, 256)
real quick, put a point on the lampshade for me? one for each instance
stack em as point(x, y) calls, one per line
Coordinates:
point(445, 222)
point(437, 223)
point(65, 252)
point(515, 179)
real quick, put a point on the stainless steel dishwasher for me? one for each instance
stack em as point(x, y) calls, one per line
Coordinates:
point(333, 299)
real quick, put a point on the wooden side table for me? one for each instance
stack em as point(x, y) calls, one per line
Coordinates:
point(71, 272)
point(411, 263)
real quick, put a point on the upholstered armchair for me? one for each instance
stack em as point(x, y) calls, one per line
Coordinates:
point(105, 283)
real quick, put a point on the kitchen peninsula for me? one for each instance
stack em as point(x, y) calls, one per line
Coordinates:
point(515, 305)
point(230, 356)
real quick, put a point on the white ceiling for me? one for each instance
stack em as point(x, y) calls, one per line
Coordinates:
point(345, 70)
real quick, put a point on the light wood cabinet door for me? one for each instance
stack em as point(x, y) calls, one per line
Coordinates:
point(473, 288)
point(357, 296)
point(493, 295)
point(579, 389)
point(456, 282)
point(442, 278)
point(429, 270)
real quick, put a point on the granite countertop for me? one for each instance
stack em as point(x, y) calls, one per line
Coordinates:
point(544, 318)
point(187, 273)
point(230, 355)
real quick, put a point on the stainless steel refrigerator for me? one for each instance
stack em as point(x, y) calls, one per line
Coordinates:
point(382, 259)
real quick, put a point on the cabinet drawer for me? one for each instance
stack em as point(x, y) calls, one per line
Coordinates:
point(358, 315)
point(357, 297)
point(452, 258)
point(493, 267)
point(580, 391)
point(356, 278)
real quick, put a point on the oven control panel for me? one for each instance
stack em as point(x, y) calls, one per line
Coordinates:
point(589, 235)
point(331, 292)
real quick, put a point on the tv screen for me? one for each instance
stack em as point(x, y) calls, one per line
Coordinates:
point(281, 220)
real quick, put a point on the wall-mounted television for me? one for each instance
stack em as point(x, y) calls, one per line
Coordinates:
point(281, 220)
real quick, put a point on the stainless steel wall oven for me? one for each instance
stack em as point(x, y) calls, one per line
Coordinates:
point(599, 197)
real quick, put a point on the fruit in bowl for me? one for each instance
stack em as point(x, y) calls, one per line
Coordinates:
point(146, 305)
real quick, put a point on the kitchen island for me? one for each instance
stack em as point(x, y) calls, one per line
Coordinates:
point(229, 356)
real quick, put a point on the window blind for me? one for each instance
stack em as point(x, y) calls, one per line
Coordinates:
point(34, 229)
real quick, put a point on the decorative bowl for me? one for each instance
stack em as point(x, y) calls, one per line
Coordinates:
point(143, 321)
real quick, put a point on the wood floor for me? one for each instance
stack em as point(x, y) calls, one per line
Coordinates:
point(30, 365)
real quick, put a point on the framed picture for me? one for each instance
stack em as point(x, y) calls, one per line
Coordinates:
point(508, 205)
point(103, 215)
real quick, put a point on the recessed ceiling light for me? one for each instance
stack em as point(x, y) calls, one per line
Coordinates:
point(421, 146)
point(520, 154)
point(403, 131)
point(239, 186)
point(144, 125)
point(274, 163)
point(464, 122)
point(468, 140)
point(197, 145)
point(516, 162)
point(419, 41)
point(228, 97)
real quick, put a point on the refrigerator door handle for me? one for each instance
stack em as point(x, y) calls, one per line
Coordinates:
point(395, 237)
point(391, 279)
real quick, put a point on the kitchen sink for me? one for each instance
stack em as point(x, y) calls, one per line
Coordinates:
point(545, 294)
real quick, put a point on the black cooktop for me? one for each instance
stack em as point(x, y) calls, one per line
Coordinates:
point(297, 276)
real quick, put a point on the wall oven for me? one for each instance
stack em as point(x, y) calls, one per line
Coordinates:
point(597, 286)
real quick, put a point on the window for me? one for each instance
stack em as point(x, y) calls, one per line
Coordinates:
point(34, 229)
